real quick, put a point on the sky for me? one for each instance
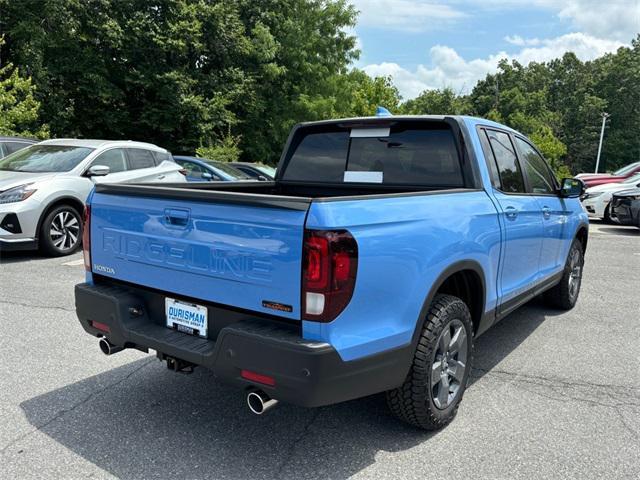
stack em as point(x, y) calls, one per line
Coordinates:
point(427, 44)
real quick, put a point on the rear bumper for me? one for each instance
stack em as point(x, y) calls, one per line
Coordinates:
point(306, 373)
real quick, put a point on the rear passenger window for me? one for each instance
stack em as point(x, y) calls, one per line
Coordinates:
point(11, 147)
point(162, 157)
point(539, 174)
point(139, 158)
point(114, 159)
point(511, 180)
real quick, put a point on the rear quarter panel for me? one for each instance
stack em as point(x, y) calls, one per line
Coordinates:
point(404, 244)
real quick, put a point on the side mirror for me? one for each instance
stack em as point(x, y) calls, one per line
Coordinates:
point(207, 176)
point(98, 171)
point(571, 188)
point(262, 178)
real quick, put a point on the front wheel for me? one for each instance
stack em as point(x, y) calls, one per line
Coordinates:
point(565, 294)
point(430, 396)
point(607, 215)
point(61, 231)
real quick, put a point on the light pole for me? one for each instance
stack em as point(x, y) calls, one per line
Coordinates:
point(604, 120)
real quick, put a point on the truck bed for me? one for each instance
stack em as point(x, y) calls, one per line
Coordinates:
point(277, 194)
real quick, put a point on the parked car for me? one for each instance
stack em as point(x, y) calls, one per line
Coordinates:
point(594, 179)
point(256, 170)
point(205, 170)
point(625, 207)
point(44, 186)
point(341, 279)
point(596, 200)
point(8, 145)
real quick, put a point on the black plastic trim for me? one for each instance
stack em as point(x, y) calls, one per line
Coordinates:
point(510, 305)
point(205, 195)
point(10, 223)
point(18, 246)
point(306, 373)
point(394, 195)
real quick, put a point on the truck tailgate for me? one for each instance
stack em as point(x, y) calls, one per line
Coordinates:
point(242, 255)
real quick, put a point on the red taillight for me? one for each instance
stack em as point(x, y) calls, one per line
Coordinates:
point(103, 327)
point(330, 263)
point(258, 378)
point(86, 238)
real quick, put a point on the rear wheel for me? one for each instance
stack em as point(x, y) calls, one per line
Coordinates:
point(565, 294)
point(430, 396)
point(61, 231)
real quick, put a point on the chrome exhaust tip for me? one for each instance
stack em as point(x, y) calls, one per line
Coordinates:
point(107, 347)
point(259, 402)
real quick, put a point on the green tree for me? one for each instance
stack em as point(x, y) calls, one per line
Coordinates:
point(437, 102)
point(179, 72)
point(225, 149)
point(19, 110)
point(617, 79)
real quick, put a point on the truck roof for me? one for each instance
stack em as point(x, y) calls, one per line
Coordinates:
point(469, 120)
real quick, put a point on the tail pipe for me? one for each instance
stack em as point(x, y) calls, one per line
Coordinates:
point(108, 348)
point(259, 402)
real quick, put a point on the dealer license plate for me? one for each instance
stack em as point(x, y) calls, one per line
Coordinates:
point(186, 317)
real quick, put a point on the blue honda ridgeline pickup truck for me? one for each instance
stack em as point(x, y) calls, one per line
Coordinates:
point(383, 248)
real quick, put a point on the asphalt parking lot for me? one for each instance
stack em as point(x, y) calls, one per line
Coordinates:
point(553, 395)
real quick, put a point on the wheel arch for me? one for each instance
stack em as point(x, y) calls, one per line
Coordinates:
point(582, 234)
point(464, 279)
point(59, 201)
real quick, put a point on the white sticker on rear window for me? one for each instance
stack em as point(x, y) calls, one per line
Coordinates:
point(363, 177)
point(370, 132)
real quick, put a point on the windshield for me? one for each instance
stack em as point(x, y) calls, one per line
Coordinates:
point(627, 169)
point(266, 170)
point(228, 169)
point(45, 158)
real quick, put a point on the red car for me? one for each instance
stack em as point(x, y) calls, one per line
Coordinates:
point(593, 179)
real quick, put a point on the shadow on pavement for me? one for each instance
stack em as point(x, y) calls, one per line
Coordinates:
point(626, 231)
point(20, 256)
point(140, 420)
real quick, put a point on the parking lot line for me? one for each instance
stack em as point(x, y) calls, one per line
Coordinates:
point(74, 263)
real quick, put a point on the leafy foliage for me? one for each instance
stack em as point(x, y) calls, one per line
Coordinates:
point(227, 149)
point(18, 107)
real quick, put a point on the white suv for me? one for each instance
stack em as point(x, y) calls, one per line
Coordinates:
point(43, 187)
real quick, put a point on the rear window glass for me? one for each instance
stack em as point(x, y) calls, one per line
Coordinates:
point(139, 158)
point(407, 155)
point(162, 157)
point(320, 157)
point(15, 146)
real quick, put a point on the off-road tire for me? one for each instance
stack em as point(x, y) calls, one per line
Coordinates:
point(565, 294)
point(413, 402)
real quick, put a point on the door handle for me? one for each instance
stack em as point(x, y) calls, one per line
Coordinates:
point(546, 212)
point(160, 177)
point(177, 217)
point(511, 213)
